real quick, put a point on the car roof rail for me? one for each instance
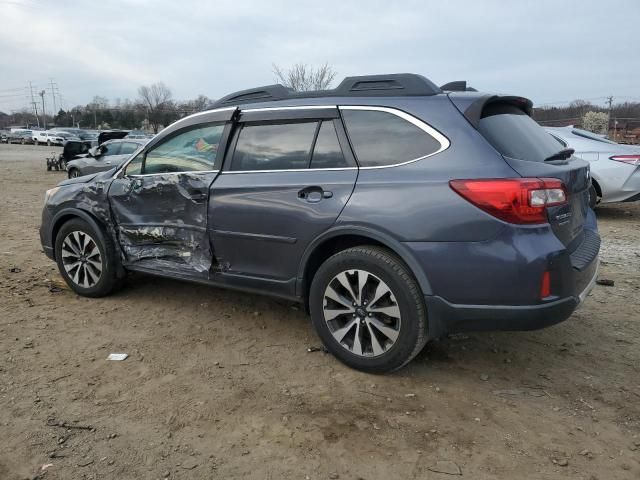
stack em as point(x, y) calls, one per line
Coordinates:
point(457, 86)
point(392, 85)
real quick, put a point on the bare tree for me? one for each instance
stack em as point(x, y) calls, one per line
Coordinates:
point(302, 77)
point(157, 100)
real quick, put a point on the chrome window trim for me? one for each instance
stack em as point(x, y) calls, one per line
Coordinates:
point(439, 137)
point(295, 107)
point(289, 170)
point(425, 127)
point(172, 173)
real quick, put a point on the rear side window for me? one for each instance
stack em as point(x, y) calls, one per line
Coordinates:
point(382, 138)
point(274, 146)
point(515, 134)
point(327, 152)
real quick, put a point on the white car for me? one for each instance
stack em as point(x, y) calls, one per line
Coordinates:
point(615, 168)
point(49, 137)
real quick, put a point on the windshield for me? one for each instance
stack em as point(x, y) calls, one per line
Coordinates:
point(515, 134)
point(591, 136)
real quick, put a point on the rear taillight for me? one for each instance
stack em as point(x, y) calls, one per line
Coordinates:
point(630, 159)
point(514, 200)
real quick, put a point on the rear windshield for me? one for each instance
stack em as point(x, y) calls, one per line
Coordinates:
point(515, 134)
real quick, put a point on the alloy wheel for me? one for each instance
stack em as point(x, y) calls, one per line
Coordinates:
point(81, 259)
point(362, 313)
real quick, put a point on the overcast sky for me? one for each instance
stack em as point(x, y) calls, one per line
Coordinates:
point(548, 51)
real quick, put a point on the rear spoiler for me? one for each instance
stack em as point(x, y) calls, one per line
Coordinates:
point(472, 108)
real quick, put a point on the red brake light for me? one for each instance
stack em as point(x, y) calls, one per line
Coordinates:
point(514, 200)
point(630, 159)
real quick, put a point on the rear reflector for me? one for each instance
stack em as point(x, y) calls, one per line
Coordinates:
point(545, 285)
point(514, 200)
point(630, 159)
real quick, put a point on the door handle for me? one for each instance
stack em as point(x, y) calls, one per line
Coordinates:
point(314, 194)
point(198, 195)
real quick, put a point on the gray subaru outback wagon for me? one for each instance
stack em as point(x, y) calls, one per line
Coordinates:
point(395, 210)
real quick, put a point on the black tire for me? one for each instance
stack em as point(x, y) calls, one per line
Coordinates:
point(48, 167)
point(23, 141)
point(108, 280)
point(593, 197)
point(48, 143)
point(74, 173)
point(390, 269)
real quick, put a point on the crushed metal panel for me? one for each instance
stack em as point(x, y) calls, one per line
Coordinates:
point(162, 220)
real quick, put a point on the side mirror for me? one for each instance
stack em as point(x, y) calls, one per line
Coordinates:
point(95, 151)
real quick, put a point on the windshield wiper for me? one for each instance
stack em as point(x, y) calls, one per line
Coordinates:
point(561, 155)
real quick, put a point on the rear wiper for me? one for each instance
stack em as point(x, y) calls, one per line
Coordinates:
point(561, 155)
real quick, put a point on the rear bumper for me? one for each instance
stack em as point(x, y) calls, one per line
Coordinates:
point(446, 317)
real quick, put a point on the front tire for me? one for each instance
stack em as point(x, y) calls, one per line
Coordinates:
point(86, 259)
point(368, 309)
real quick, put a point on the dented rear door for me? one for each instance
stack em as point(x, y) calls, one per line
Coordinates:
point(159, 201)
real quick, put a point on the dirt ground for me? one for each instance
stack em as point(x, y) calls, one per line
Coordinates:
point(220, 384)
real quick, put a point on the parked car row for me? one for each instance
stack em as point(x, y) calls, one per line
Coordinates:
point(23, 137)
point(59, 135)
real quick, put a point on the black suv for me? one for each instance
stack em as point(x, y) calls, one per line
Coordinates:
point(394, 210)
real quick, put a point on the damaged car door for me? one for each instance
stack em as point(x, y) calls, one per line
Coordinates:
point(159, 200)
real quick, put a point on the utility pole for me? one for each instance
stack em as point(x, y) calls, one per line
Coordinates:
point(35, 105)
point(610, 102)
point(44, 114)
point(53, 94)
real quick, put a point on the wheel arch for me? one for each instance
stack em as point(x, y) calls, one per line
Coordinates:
point(67, 214)
point(341, 238)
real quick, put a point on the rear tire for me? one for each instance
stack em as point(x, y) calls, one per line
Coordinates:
point(368, 309)
point(593, 197)
point(86, 259)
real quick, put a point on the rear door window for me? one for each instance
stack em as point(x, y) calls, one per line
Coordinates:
point(515, 134)
point(284, 146)
point(382, 138)
point(327, 152)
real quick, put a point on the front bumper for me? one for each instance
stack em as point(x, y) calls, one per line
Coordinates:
point(445, 317)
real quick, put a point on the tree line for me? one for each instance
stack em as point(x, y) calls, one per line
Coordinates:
point(155, 106)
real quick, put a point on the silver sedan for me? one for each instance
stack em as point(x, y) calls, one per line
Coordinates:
point(106, 156)
point(615, 168)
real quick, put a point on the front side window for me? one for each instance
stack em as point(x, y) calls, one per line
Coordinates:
point(274, 146)
point(194, 150)
point(382, 138)
point(128, 148)
point(134, 167)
